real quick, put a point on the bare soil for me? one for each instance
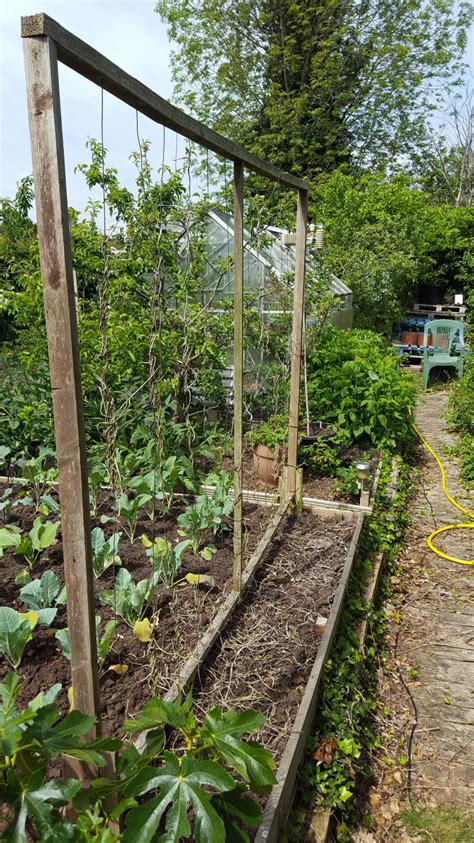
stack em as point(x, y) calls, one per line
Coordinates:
point(181, 614)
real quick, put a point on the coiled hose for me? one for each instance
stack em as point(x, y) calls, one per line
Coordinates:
point(469, 526)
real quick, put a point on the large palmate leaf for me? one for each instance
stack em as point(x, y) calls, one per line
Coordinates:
point(180, 786)
point(158, 713)
point(223, 730)
point(56, 736)
point(235, 805)
point(38, 800)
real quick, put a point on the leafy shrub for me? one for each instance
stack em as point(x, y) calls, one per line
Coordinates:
point(212, 770)
point(355, 383)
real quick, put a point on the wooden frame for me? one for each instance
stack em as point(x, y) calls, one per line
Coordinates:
point(45, 44)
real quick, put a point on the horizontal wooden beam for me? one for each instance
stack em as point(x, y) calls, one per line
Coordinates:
point(91, 64)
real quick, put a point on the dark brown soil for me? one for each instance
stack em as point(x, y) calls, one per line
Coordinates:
point(182, 614)
point(264, 658)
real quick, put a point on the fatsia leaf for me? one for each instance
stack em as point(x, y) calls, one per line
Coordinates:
point(223, 730)
point(180, 786)
point(237, 804)
point(12, 723)
point(38, 801)
point(158, 713)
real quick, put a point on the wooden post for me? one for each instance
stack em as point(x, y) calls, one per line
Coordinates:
point(238, 366)
point(60, 314)
point(296, 338)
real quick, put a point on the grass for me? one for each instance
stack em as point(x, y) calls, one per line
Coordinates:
point(440, 825)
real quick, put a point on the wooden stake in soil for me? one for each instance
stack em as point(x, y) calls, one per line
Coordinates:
point(60, 313)
point(296, 337)
point(238, 366)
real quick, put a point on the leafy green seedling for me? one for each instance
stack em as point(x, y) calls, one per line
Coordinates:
point(104, 641)
point(165, 558)
point(15, 631)
point(41, 536)
point(41, 595)
point(104, 551)
point(129, 510)
point(6, 503)
point(128, 598)
point(9, 537)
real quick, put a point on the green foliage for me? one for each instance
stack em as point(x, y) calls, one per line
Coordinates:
point(30, 740)
point(104, 551)
point(212, 749)
point(213, 770)
point(103, 640)
point(128, 598)
point(128, 510)
point(273, 433)
point(346, 483)
point(356, 384)
point(205, 514)
point(165, 558)
point(15, 631)
point(338, 757)
point(322, 457)
point(40, 537)
point(312, 87)
point(40, 595)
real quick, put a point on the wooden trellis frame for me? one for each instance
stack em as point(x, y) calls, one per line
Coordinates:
point(45, 44)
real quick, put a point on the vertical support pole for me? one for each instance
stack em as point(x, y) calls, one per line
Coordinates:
point(238, 366)
point(49, 174)
point(296, 337)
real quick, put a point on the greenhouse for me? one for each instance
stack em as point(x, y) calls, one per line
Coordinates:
point(269, 257)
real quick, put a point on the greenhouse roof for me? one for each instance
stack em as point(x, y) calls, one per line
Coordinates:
point(270, 255)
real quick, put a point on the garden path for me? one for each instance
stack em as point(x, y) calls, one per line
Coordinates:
point(426, 688)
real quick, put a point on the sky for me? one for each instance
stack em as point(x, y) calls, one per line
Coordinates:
point(131, 34)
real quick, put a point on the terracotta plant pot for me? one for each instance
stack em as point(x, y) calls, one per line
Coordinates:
point(267, 465)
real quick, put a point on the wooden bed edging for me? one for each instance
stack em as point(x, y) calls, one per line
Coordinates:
point(280, 800)
point(217, 626)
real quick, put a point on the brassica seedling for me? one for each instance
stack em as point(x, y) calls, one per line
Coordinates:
point(104, 551)
point(104, 641)
point(40, 537)
point(41, 595)
point(128, 598)
point(15, 631)
point(165, 558)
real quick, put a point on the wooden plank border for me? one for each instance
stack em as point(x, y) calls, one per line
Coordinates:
point(191, 667)
point(279, 802)
point(91, 64)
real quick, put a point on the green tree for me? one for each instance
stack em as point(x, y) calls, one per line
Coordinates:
point(315, 85)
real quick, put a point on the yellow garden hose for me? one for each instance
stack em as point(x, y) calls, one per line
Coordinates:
point(469, 526)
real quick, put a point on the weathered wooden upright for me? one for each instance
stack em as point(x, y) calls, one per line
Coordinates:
point(60, 313)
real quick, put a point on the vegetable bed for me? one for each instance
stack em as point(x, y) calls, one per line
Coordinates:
point(264, 658)
point(132, 670)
